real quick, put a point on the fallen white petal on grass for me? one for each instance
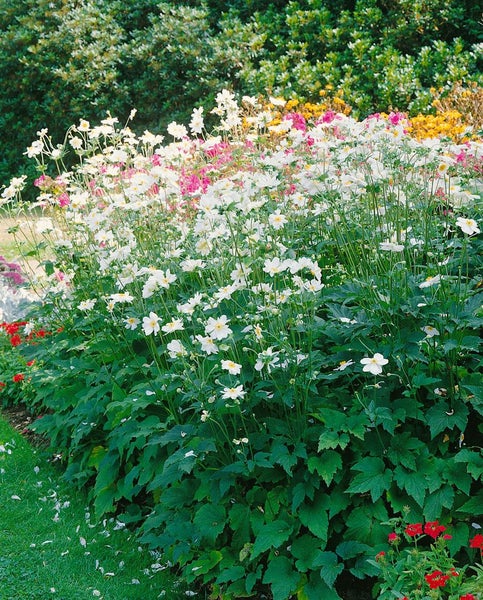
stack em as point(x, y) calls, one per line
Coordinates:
point(15, 497)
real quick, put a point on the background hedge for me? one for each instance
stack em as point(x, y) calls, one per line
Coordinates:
point(63, 60)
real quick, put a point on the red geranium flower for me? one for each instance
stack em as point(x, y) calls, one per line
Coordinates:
point(380, 555)
point(15, 340)
point(467, 597)
point(477, 541)
point(414, 529)
point(433, 528)
point(393, 537)
point(18, 377)
point(436, 579)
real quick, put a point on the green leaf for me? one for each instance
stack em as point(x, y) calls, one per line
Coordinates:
point(457, 477)
point(440, 417)
point(364, 524)
point(444, 497)
point(338, 501)
point(471, 342)
point(280, 455)
point(326, 465)
point(298, 495)
point(460, 534)
point(231, 574)
point(210, 520)
point(314, 517)
point(317, 589)
point(331, 567)
point(96, 456)
point(413, 482)
point(118, 394)
point(331, 439)
point(283, 579)
point(306, 549)
point(351, 548)
point(104, 500)
point(275, 498)
point(271, 535)
point(402, 450)
point(373, 478)
point(204, 565)
point(421, 379)
point(473, 460)
point(474, 506)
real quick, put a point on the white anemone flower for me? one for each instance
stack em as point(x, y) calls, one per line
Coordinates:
point(131, 323)
point(430, 331)
point(277, 220)
point(218, 328)
point(151, 324)
point(174, 325)
point(374, 365)
point(233, 393)
point(86, 305)
point(232, 367)
point(207, 344)
point(468, 226)
point(429, 281)
point(176, 349)
point(177, 131)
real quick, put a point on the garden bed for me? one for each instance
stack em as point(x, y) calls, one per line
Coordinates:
point(261, 347)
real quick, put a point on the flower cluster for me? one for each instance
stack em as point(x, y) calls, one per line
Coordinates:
point(14, 367)
point(423, 567)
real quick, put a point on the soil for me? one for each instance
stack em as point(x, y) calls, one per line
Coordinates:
point(19, 418)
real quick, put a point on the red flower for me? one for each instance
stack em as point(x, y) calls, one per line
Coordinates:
point(2, 385)
point(477, 541)
point(393, 537)
point(15, 340)
point(414, 529)
point(436, 579)
point(468, 597)
point(18, 377)
point(380, 555)
point(433, 528)
point(30, 362)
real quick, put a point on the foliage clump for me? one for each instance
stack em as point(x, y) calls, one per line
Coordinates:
point(266, 337)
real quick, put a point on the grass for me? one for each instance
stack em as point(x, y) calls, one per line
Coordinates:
point(12, 247)
point(50, 546)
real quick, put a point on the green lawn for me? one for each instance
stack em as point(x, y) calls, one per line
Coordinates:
point(50, 546)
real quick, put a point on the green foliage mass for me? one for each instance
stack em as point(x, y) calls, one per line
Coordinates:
point(279, 471)
point(62, 61)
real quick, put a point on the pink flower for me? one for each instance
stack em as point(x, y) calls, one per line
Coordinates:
point(298, 121)
point(64, 200)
